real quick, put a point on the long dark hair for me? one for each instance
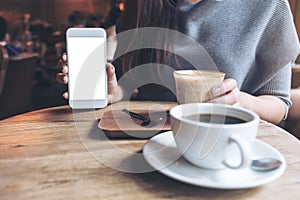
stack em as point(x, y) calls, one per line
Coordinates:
point(3, 28)
point(146, 13)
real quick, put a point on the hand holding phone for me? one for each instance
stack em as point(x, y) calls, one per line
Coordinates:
point(86, 49)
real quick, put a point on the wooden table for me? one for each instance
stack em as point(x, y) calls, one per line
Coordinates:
point(296, 76)
point(46, 155)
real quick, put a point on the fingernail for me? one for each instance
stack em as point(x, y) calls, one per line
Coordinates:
point(65, 69)
point(217, 90)
point(65, 95)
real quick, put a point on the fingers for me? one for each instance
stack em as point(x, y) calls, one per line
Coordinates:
point(110, 69)
point(231, 98)
point(65, 69)
point(115, 93)
point(62, 78)
point(63, 63)
point(64, 57)
point(227, 93)
point(66, 95)
point(111, 78)
point(227, 86)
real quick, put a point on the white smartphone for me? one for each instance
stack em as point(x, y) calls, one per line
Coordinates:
point(87, 57)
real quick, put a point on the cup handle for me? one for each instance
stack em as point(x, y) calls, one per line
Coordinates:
point(244, 149)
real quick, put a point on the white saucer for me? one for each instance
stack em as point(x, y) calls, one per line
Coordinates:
point(161, 153)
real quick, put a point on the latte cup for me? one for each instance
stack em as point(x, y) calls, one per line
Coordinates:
point(214, 136)
point(194, 86)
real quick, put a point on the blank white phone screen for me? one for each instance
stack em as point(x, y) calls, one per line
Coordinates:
point(86, 59)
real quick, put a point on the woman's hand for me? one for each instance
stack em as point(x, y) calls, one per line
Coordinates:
point(62, 77)
point(227, 93)
point(115, 93)
point(268, 107)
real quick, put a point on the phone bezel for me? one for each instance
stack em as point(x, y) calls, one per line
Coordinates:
point(88, 32)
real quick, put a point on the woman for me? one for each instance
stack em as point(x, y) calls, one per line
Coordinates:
point(253, 42)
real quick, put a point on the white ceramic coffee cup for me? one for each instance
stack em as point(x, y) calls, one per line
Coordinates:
point(214, 145)
point(194, 86)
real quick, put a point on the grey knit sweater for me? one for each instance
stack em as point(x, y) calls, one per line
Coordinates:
point(252, 41)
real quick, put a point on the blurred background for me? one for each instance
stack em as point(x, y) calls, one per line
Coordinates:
point(34, 40)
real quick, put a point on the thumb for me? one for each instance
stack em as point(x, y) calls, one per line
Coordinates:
point(111, 78)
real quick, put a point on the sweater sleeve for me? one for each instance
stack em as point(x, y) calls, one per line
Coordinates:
point(279, 86)
point(277, 49)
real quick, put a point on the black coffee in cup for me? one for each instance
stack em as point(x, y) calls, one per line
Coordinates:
point(204, 132)
point(215, 118)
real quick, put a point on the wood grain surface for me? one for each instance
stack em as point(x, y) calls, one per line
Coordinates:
point(59, 154)
point(295, 76)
